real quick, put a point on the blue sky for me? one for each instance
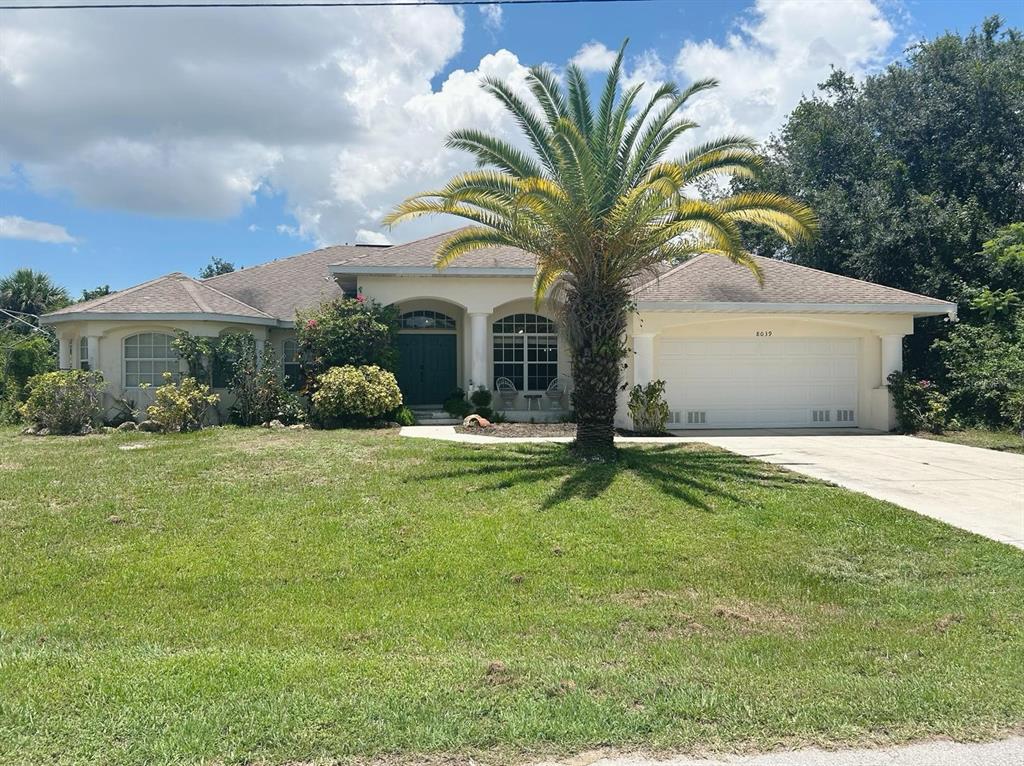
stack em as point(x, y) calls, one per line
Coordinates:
point(138, 144)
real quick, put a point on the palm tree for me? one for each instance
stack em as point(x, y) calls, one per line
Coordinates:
point(31, 292)
point(599, 205)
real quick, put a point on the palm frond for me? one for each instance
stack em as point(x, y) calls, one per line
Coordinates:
point(579, 99)
point(490, 150)
point(545, 88)
point(536, 131)
point(790, 219)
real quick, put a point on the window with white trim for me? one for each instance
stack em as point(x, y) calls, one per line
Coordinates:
point(147, 356)
point(292, 364)
point(526, 351)
point(83, 353)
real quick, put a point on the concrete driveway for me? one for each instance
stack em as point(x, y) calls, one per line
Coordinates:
point(975, 489)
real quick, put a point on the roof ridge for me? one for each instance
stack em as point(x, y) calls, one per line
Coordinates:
point(199, 283)
point(236, 272)
point(193, 293)
point(104, 299)
point(852, 279)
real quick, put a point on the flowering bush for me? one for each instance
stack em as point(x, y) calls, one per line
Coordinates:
point(64, 401)
point(920, 406)
point(181, 406)
point(348, 331)
point(355, 395)
point(648, 409)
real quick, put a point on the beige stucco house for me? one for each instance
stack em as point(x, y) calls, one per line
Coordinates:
point(807, 349)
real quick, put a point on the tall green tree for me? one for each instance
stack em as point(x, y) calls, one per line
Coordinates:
point(96, 292)
point(910, 171)
point(598, 203)
point(216, 267)
point(25, 291)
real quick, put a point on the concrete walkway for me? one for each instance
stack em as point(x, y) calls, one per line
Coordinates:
point(1007, 752)
point(975, 489)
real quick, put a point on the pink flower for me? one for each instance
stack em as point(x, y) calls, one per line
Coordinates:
point(361, 298)
point(311, 324)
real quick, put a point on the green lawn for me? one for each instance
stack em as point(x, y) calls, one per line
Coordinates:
point(1003, 441)
point(262, 596)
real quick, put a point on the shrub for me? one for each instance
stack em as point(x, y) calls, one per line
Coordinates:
point(481, 399)
point(648, 409)
point(403, 416)
point(1013, 409)
point(256, 383)
point(181, 406)
point(352, 395)
point(984, 366)
point(347, 332)
point(64, 401)
point(919, 404)
point(456, 404)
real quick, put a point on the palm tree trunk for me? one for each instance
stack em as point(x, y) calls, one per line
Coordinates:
point(596, 327)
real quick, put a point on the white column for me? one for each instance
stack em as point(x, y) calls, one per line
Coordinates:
point(478, 349)
point(260, 350)
point(643, 359)
point(64, 354)
point(93, 343)
point(892, 356)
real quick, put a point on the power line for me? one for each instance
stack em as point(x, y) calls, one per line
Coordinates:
point(315, 4)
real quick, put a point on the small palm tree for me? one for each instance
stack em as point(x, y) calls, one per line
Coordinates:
point(31, 292)
point(600, 206)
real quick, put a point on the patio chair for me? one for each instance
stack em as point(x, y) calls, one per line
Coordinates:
point(556, 393)
point(507, 391)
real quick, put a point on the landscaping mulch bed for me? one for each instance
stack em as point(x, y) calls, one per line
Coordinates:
point(513, 430)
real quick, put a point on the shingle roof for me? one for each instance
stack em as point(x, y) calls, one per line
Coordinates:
point(421, 253)
point(281, 287)
point(711, 278)
point(175, 293)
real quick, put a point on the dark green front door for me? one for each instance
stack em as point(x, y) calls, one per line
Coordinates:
point(426, 367)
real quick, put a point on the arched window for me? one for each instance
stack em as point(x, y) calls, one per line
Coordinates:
point(83, 353)
point(147, 356)
point(292, 364)
point(526, 351)
point(426, 320)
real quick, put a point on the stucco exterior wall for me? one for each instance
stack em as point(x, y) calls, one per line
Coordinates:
point(491, 298)
point(108, 350)
point(874, 404)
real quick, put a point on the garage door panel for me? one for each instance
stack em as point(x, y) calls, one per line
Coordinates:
point(768, 383)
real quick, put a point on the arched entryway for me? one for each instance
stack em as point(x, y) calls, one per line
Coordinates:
point(428, 353)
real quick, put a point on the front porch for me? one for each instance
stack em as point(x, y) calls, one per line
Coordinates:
point(512, 349)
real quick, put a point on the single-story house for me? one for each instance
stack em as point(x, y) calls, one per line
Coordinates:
point(807, 349)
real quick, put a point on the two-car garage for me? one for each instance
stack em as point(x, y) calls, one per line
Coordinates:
point(760, 381)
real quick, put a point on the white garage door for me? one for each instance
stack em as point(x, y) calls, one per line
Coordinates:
point(760, 382)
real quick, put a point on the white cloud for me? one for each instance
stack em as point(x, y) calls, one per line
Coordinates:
point(195, 113)
point(368, 237)
point(781, 51)
point(493, 16)
point(16, 227)
point(594, 57)
point(192, 113)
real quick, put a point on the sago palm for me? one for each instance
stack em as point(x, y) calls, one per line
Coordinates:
point(598, 203)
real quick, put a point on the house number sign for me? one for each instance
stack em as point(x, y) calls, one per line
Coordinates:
point(763, 333)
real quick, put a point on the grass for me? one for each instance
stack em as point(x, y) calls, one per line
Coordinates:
point(1003, 441)
point(238, 596)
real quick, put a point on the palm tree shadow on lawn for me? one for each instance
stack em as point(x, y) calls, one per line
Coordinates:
point(692, 475)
